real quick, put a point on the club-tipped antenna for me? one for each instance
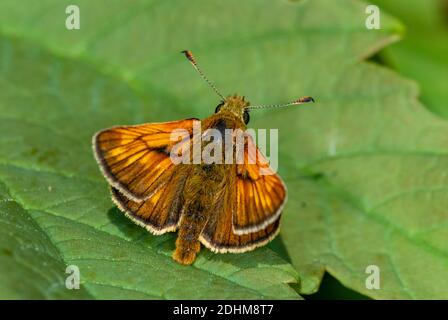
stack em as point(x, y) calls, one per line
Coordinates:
point(191, 58)
point(292, 103)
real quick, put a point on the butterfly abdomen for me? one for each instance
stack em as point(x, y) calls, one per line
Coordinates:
point(187, 243)
point(200, 190)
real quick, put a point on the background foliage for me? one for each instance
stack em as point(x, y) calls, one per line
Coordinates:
point(421, 54)
point(365, 166)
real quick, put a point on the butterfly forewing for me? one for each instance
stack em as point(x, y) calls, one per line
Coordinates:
point(136, 159)
point(218, 234)
point(260, 193)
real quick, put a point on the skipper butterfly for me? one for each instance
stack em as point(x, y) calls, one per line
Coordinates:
point(228, 207)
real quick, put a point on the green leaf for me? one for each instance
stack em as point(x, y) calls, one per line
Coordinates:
point(364, 166)
point(31, 265)
point(422, 53)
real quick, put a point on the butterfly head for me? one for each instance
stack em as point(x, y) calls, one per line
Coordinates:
point(235, 106)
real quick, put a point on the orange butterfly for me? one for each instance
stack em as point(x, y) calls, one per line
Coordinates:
point(226, 207)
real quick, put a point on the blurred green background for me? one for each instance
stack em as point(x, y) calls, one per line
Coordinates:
point(422, 53)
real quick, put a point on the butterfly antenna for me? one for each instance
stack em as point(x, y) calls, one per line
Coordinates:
point(190, 58)
point(292, 103)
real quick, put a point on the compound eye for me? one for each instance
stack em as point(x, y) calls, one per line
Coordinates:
point(218, 107)
point(246, 117)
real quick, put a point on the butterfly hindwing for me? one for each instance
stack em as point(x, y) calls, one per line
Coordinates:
point(136, 159)
point(161, 212)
